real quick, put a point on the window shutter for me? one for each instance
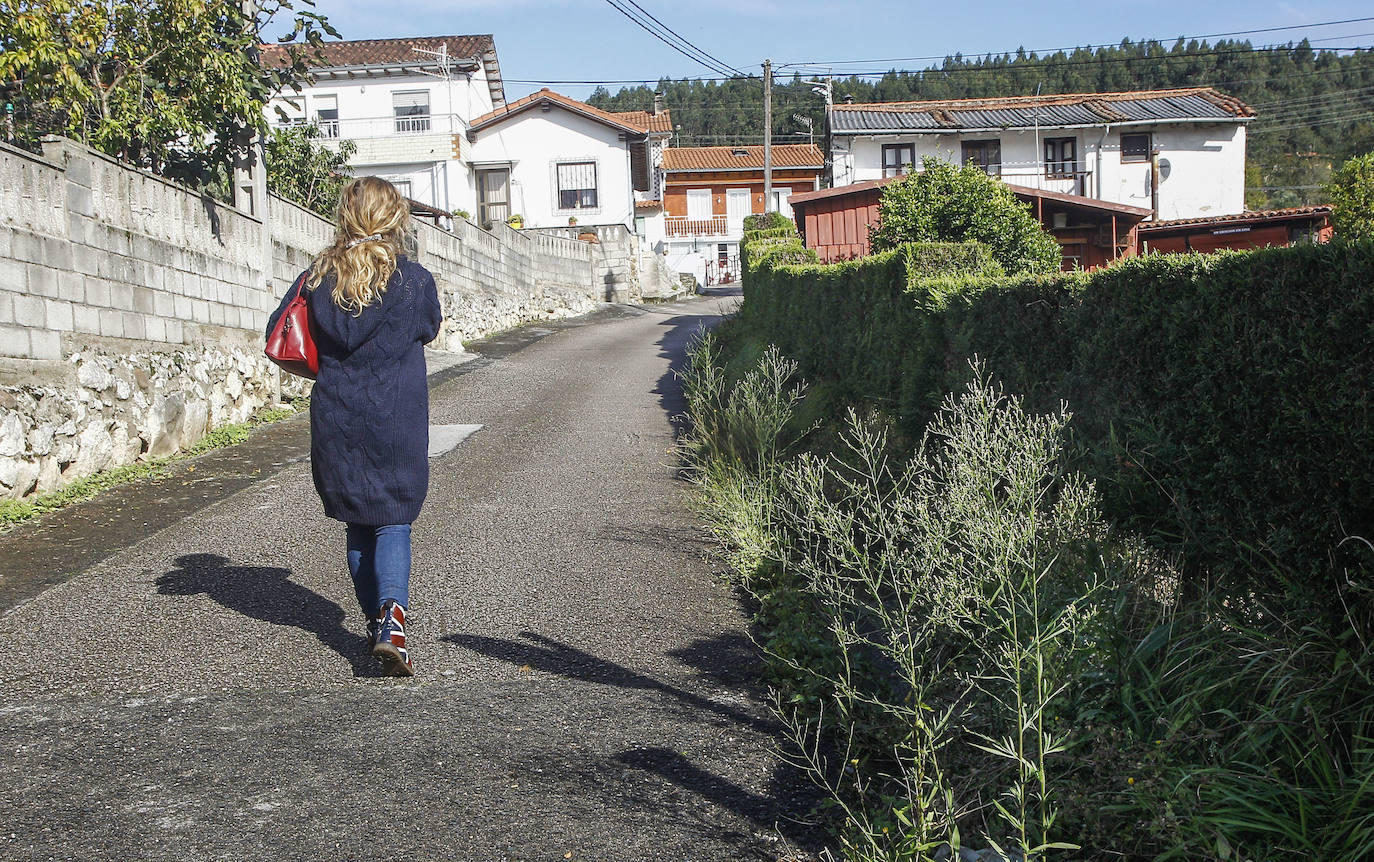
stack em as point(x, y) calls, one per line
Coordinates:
point(416, 102)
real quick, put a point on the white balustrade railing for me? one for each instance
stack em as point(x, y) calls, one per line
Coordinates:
point(351, 128)
point(712, 226)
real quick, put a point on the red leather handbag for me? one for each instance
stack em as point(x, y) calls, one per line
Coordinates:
point(289, 344)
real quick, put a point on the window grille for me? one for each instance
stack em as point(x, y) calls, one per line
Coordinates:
point(577, 185)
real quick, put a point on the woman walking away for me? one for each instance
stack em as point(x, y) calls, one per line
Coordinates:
point(371, 312)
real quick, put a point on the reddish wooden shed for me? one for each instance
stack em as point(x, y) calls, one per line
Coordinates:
point(1090, 232)
point(1246, 230)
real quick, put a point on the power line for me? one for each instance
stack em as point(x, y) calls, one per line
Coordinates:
point(1041, 63)
point(686, 49)
point(829, 63)
point(1014, 65)
point(719, 63)
point(1348, 116)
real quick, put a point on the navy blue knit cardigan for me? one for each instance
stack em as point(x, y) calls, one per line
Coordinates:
point(369, 411)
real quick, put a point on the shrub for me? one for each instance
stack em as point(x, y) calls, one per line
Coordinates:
point(1221, 399)
point(767, 221)
point(942, 203)
point(962, 648)
point(1351, 192)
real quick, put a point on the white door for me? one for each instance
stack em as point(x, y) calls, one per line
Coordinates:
point(782, 202)
point(736, 208)
point(698, 204)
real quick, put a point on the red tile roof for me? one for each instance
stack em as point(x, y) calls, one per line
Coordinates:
point(1247, 217)
point(661, 122)
point(379, 52)
point(1230, 104)
point(648, 205)
point(741, 158)
point(629, 121)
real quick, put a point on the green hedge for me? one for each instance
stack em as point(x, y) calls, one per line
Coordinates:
point(767, 221)
point(1223, 402)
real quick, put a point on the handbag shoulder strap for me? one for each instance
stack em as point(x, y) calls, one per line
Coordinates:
point(299, 286)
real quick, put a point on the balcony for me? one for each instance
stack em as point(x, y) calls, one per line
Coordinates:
point(1069, 182)
point(358, 128)
point(1035, 175)
point(702, 228)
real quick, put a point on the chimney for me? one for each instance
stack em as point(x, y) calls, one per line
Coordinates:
point(658, 104)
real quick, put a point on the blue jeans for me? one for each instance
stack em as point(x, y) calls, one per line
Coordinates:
point(379, 561)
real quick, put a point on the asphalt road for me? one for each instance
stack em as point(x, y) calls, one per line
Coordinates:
point(585, 686)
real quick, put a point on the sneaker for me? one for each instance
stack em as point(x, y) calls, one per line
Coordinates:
point(390, 646)
point(373, 626)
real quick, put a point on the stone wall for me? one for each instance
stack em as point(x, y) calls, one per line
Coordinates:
point(625, 270)
point(132, 309)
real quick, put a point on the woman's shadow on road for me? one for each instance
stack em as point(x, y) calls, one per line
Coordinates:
point(267, 593)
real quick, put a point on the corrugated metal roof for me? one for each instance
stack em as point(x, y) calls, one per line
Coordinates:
point(1202, 104)
point(1247, 216)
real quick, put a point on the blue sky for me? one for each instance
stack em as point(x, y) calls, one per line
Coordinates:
point(544, 43)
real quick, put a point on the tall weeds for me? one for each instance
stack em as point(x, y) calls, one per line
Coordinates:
point(965, 654)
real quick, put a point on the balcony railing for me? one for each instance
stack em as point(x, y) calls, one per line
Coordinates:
point(1036, 176)
point(712, 226)
point(1065, 183)
point(412, 124)
point(352, 128)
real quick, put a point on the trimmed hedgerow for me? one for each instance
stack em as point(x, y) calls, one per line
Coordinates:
point(1221, 402)
point(767, 221)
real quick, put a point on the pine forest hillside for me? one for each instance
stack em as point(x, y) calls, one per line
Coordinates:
point(1314, 108)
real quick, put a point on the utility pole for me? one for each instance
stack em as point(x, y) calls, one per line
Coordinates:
point(768, 136)
point(250, 163)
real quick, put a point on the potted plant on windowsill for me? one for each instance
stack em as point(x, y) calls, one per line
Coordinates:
point(516, 221)
point(572, 221)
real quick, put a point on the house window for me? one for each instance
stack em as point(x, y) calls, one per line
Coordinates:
point(1061, 157)
point(985, 154)
point(402, 186)
point(699, 207)
point(327, 115)
point(898, 158)
point(411, 108)
point(493, 196)
point(1135, 148)
point(576, 185)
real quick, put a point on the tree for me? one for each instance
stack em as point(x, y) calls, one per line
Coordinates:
point(307, 172)
point(171, 85)
point(1351, 192)
point(942, 203)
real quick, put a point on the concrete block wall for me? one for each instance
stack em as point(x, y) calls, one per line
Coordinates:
point(132, 309)
point(624, 268)
point(95, 253)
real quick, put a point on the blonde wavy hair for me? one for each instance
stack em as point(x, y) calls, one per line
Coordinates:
point(372, 218)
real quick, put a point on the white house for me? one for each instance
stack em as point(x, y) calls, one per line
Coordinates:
point(1098, 145)
point(708, 192)
point(406, 103)
point(555, 161)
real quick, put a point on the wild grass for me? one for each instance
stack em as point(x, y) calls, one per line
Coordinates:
point(966, 654)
